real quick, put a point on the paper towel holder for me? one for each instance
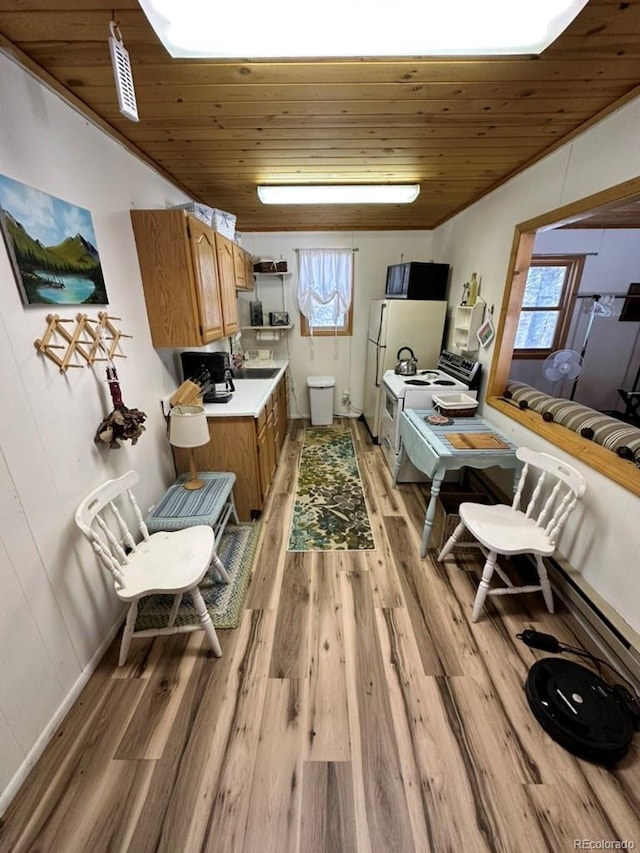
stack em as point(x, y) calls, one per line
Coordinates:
point(267, 333)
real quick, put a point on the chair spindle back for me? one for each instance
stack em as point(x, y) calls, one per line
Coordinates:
point(100, 519)
point(554, 496)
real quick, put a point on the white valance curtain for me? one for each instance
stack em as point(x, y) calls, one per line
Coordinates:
point(325, 279)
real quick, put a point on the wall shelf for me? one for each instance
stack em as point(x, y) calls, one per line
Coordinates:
point(267, 333)
point(466, 322)
point(281, 275)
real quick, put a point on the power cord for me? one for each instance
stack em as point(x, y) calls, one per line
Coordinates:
point(549, 643)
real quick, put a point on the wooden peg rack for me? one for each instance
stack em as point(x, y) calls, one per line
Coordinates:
point(94, 339)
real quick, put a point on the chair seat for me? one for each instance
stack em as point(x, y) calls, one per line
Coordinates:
point(168, 563)
point(504, 530)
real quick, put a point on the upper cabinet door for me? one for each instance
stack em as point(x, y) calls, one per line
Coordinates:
point(239, 267)
point(227, 281)
point(248, 271)
point(205, 269)
point(243, 263)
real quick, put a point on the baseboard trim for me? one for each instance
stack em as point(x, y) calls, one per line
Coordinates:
point(42, 742)
point(618, 642)
point(616, 639)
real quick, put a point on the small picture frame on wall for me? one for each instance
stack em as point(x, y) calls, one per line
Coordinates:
point(486, 333)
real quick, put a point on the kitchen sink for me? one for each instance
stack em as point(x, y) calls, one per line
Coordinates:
point(256, 373)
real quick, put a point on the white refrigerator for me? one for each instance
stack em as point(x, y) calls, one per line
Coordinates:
point(393, 324)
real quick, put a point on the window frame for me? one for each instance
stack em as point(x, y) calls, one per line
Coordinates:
point(345, 330)
point(574, 265)
point(599, 458)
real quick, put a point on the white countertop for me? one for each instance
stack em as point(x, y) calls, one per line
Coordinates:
point(248, 400)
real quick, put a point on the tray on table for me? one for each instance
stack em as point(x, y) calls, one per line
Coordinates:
point(476, 441)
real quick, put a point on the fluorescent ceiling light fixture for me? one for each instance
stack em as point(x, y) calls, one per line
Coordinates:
point(340, 194)
point(288, 28)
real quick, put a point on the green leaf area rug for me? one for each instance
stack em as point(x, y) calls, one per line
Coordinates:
point(224, 601)
point(330, 512)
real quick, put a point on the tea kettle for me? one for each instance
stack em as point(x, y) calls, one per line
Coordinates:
point(406, 366)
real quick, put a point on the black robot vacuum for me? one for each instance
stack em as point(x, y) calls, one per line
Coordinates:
point(579, 710)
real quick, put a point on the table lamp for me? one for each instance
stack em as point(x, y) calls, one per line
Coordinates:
point(188, 428)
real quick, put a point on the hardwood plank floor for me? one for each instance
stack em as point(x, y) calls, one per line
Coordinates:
point(355, 709)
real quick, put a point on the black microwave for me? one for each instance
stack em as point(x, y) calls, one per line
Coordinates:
point(417, 280)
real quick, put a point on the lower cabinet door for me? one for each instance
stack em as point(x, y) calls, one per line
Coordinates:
point(264, 464)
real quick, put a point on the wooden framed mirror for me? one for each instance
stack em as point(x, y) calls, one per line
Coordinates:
point(614, 208)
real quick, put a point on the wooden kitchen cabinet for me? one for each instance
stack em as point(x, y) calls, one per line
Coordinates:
point(179, 266)
point(267, 458)
point(239, 268)
point(250, 447)
point(227, 280)
point(268, 449)
point(248, 271)
point(283, 413)
point(233, 447)
point(243, 263)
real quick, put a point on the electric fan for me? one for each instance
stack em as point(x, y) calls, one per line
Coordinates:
point(562, 364)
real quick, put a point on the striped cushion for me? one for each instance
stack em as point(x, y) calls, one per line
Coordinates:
point(615, 435)
point(202, 503)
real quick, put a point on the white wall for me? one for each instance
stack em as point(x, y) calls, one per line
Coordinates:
point(612, 353)
point(56, 608)
point(342, 357)
point(606, 550)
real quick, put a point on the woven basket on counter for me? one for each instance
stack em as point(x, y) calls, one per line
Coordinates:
point(455, 405)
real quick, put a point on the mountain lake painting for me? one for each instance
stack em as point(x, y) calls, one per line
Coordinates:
point(52, 247)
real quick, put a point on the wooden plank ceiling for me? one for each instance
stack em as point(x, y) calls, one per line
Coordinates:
point(218, 128)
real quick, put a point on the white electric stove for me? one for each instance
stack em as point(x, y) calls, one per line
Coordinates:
point(452, 374)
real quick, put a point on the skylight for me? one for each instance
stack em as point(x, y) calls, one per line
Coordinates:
point(353, 28)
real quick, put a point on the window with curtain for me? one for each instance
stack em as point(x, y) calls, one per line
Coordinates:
point(549, 297)
point(325, 291)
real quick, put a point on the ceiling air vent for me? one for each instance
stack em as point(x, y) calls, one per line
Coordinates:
point(122, 74)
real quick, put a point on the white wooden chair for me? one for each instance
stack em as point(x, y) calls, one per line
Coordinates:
point(165, 563)
point(555, 490)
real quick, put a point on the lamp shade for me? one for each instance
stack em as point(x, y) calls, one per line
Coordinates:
point(188, 426)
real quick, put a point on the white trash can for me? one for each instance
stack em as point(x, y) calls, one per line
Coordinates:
point(321, 399)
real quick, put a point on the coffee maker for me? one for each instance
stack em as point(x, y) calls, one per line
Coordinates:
point(210, 370)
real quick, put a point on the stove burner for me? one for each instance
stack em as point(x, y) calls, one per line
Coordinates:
point(429, 374)
point(444, 382)
point(417, 382)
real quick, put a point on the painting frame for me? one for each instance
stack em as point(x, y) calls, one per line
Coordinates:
point(486, 333)
point(52, 247)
